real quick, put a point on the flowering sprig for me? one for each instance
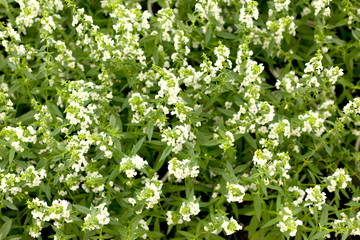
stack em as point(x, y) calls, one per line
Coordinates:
point(98, 217)
point(287, 223)
point(339, 179)
point(130, 164)
point(191, 113)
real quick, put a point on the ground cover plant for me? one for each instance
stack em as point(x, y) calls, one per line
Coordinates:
point(179, 119)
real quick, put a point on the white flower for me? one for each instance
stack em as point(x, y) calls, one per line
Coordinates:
point(320, 5)
point(315, 198)
point(151, 191)
point(338, 179)
point(189, 208)
point(288, 223)
point(314, 64)
point(231, 226)
point(333, 74)
point(300, 193)
point(130, 173)
point(222, 53)
point(182, 169)
point(17, 146)
point(132, 201)
point(281, 5)
point(236, 192)
point(305, 11)
point(108, 154)
point(48, 24)
point(261, 157)
point(143, 224)
point(169, 220)
point(98, 217)
point(129, 164)
point(177, 136)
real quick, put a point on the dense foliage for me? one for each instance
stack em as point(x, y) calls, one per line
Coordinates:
point(179, 119)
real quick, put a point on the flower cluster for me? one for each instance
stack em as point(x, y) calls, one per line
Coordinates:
point(130, 164)
point(177, 136)
point(249, 13)
point(230, 226)
point(19, 136)
point(333, 74)
point(288, 223)
point(321, 6)
point(353, 107)
point(315, 198)
point(174, 119)
point(189, 208)
point(98, 217)
point(236, 192)
point(298, 193)
point(338, 179)
point(59, 212)
point(150, 193)
point(183, 169)
point(14, 183)
point(350, 224)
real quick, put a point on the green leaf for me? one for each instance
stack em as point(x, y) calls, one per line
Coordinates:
point(216, 237)
point(226, 35)
point(157, 225)
point(29, 75)
point(27, 117)
point(240, 168)
point(158, 164)
point(271, 47)
point(156, 55)
point(155, 234)
point(320, 235)
point(278, 203)
point(257, 206)
point(82, 209)
point(356, 34)
point(213, 142)
point(249, 139)
point(231, 170)
point(314, 169)
point(150, 130)
point(189, 188)
point(345, 235)
point(137, 146)
point(270, 223)
point(324, 215)
point(191, 17)
point(308, 155)
point(186, 234)
point(253, 225)
point(56, 132)
point(11, 155)
point(311, 174)
point(93, 71)
point(47, 190)
point(117, 144)
point(10, 205)
point(5, 229)
point(114, 174)
point(208, 34)
point(353, 204)
point(4, 2)
point(113, 121)
point(54, 109)
point(172, 188)
point(328, 149)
